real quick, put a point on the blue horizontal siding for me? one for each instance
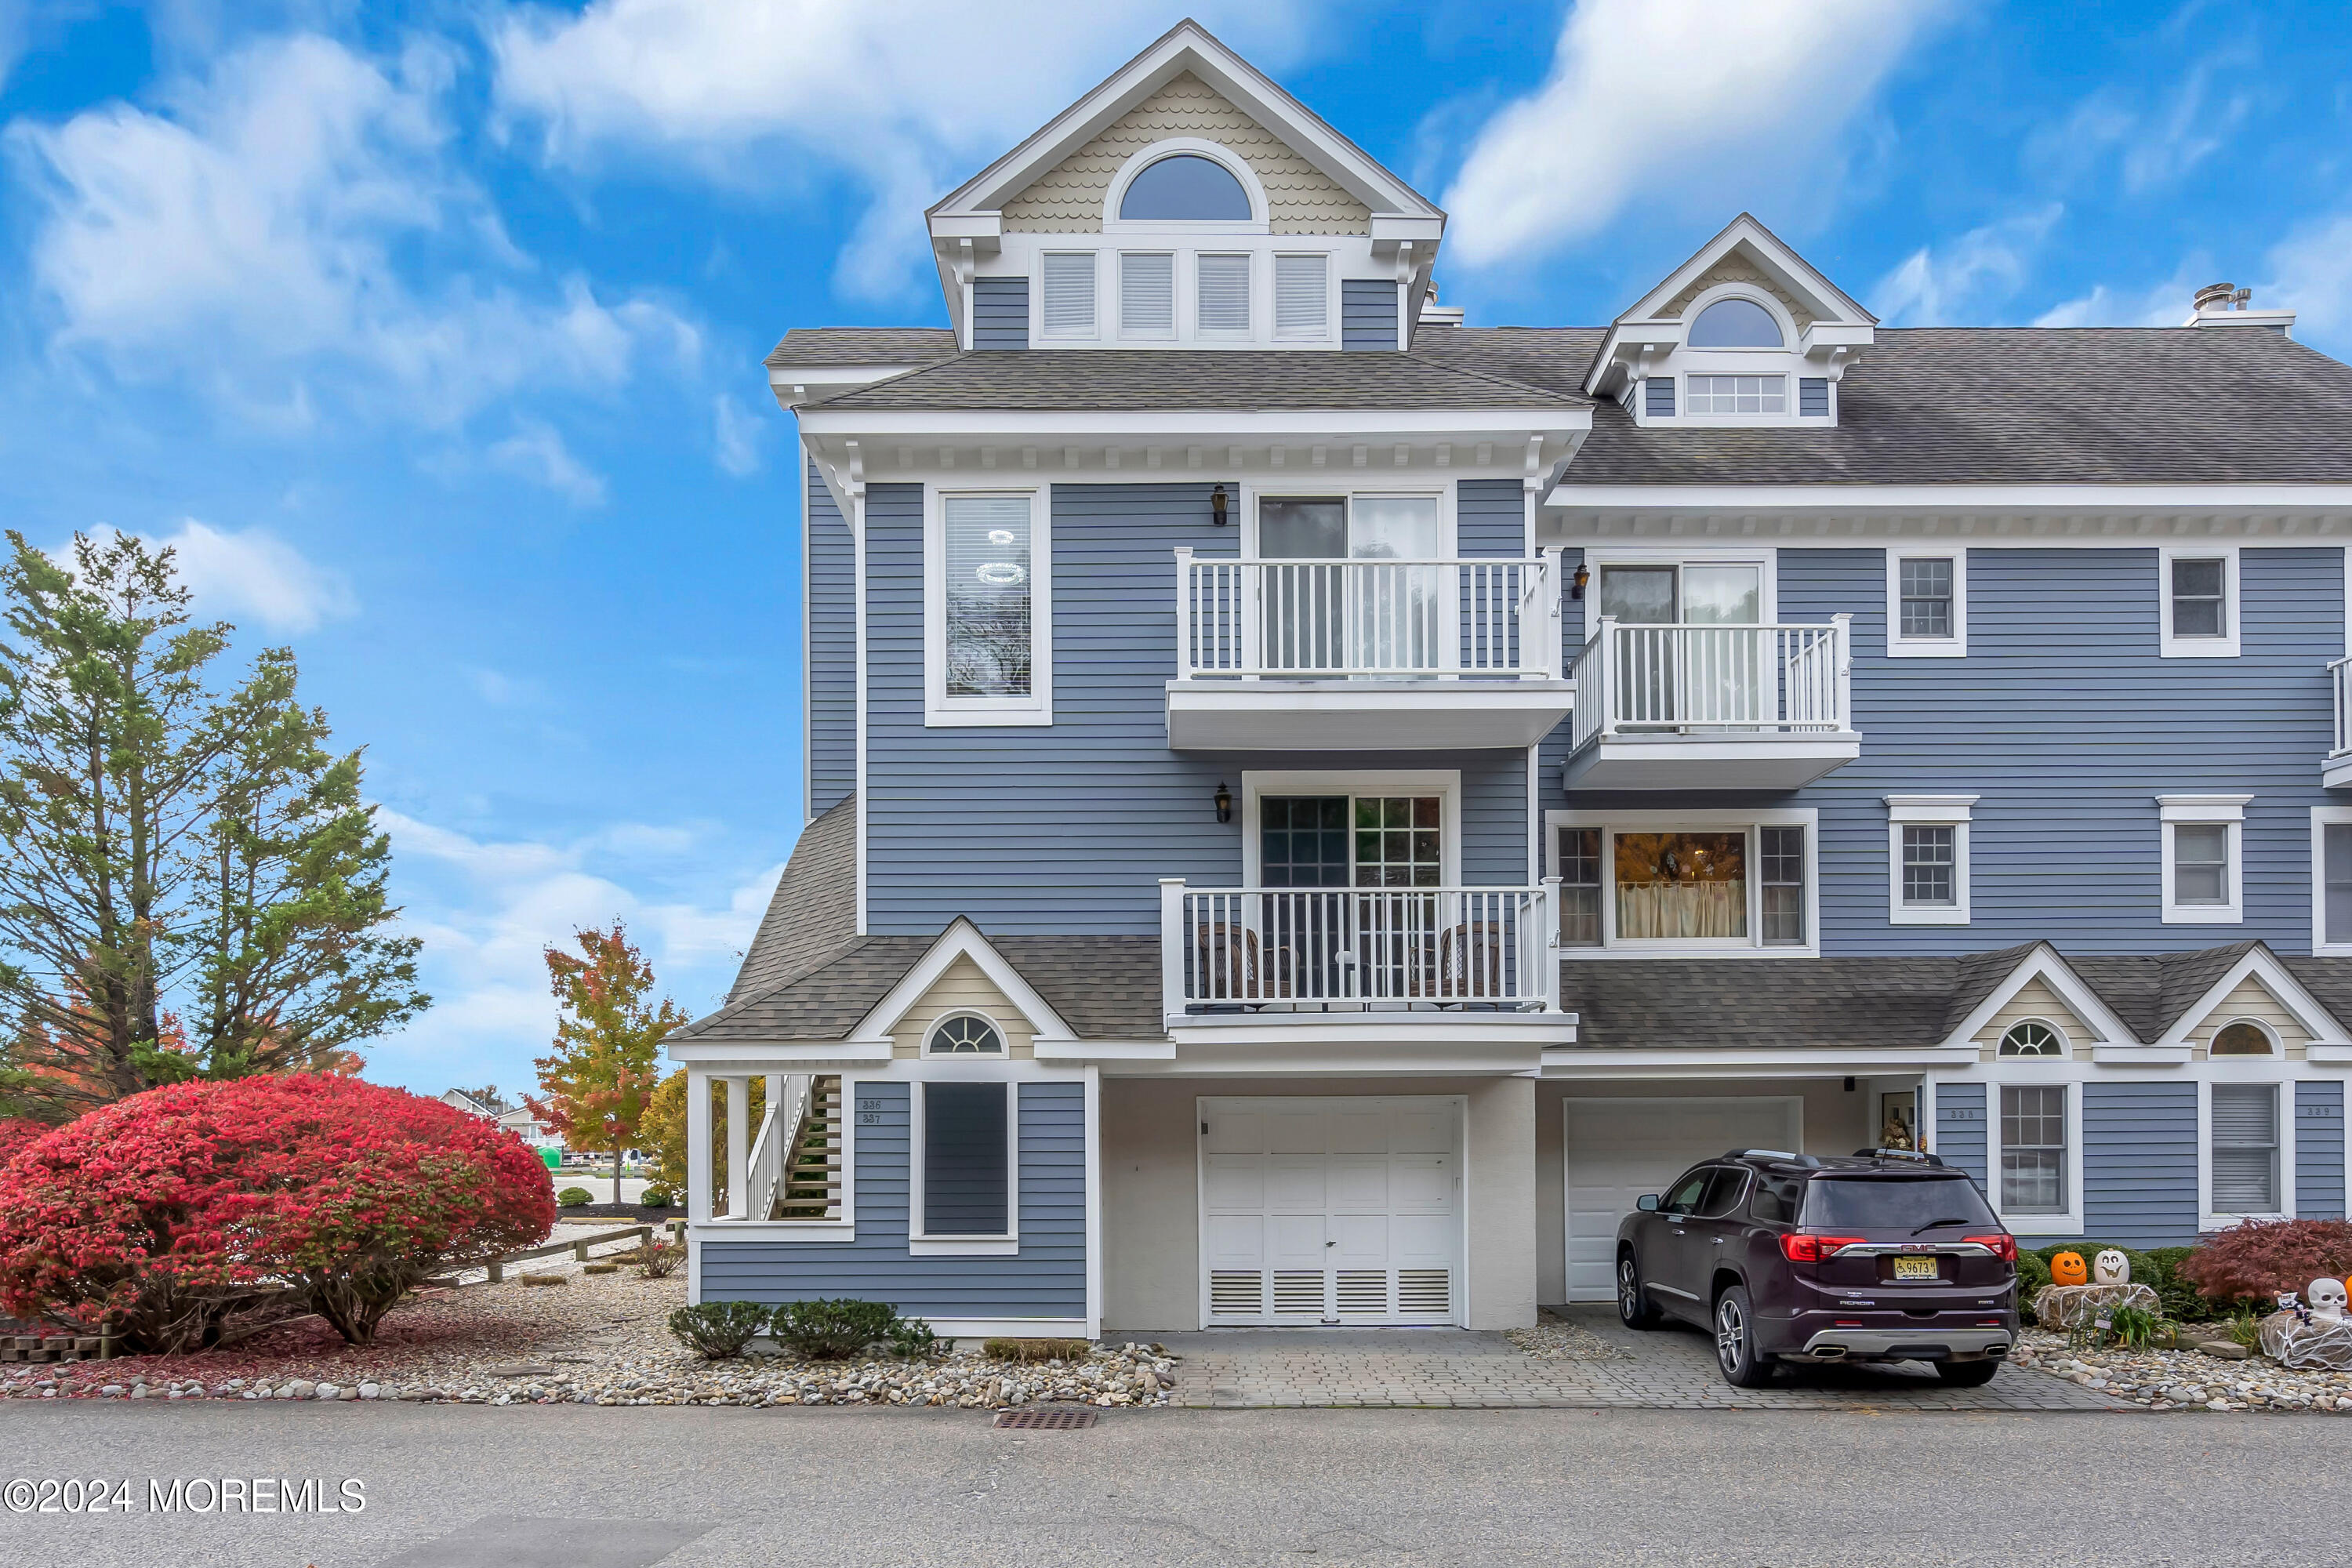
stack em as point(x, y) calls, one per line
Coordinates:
point(1960, 1127)
point(2139, 1164)
point(1368, 314)
point(999, 312)
point(1491, 518)
point(831, 651)
point(1047, 1280)
point(2319, 1149)
point(1067, 827)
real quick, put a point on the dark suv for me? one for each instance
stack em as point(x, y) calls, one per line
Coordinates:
point(1886, 1256)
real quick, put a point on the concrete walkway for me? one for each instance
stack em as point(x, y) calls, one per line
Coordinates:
point(1668, 1369)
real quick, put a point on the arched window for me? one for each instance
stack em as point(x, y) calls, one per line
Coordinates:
point(2241, 1039)
point(1735, 323)
point(2033, 1037)
point(1187, 188)
point(966, 1035)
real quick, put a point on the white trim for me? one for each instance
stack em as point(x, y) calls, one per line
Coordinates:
point(2204, 810)
point(961, 940)
point(2263, 967)
point(940, 710)
point(2169, 646)
point(1679, 554)
point(2322, 818)
point(2261, 1070)
point(1037, 292)
point(1443, 782)
point(2065, 1043)
point(808, 635)
point(856, 517)
point(1913, 500)
point(1793, 1104)
point(1217, 153)
point(2018, 1072)
point(1001, 1053)
point(2276, 1053)
point(920, 1245)
point(1093, 1103)
point(1953, 647)
point(1015, 1328)
point(1053, 427)
point(1611, 821)
point(2043, 963)
point(1928, 811)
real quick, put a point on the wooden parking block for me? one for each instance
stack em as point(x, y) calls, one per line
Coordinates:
point(540, 1278)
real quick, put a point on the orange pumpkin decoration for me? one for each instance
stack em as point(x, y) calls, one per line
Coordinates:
point(2068, 1268)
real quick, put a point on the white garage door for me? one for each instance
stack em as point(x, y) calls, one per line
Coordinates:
point(1618, 1149)
point(1331, 1210)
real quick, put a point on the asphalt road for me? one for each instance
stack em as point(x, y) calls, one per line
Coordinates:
point(455, 1488)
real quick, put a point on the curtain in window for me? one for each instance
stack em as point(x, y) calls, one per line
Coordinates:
point(1682, 886)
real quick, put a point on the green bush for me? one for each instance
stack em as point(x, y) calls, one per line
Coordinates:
point(2174, 1293)
point(831, 1330)
point(719, 1328)
point(654, 1197)
point(912, 1340)
point(2032, 1274)
point(573, 1197)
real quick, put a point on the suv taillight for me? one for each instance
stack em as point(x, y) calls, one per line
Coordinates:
point(1799, 1248)
point(2003, 1246)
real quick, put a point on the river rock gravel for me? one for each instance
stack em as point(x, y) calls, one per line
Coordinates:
point(2185, 1380)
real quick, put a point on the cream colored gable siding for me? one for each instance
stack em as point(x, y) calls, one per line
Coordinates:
point(1300, 198)
point(962, 987)
point(2035, 1000)
point(1735, 267)
point(2251, 1000)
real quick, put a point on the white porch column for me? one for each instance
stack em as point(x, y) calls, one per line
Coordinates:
point(698, 1145)
point(738, 1146)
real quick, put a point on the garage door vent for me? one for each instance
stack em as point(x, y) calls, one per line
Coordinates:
point(1364, 1293)
point(1425, 1292)
point(1234, 1293)
point(1298, 1294)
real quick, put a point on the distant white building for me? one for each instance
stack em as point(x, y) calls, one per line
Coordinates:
point(517, 1119)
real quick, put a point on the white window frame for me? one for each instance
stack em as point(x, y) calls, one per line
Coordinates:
point(2224, 647)
point(941, 711)
point(1445, 783)
point(1008, 1244)
point(931, 1030)
point(1953, 647)
point(2204, 810)
point(1044, 333)
point(1324, 484)
point(2244, 1071)
point(1766, 560)
point(1329, 329)
point(1612, 823)
point(1253, 296)
point(2214, 1027)
point(1232, 163)
point(1148, 334)
point(1928, 811)
point(2017, 1072)
point(2066, 1041)
point(2322, 818)
point(1690, 396)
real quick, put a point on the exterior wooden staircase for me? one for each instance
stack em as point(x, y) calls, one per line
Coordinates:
point(810, 1187)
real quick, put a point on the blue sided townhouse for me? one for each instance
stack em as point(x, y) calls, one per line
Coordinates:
point(1315, 806)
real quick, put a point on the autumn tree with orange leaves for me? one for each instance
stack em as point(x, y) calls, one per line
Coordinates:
point(601, 1071)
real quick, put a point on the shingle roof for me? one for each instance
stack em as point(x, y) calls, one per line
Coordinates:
point(863, 345)
point(1985, 406)
point(1149, 379)
point(813, 911)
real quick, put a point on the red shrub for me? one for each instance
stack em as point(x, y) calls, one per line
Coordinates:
point(2262, 1257)
point(166, 1212)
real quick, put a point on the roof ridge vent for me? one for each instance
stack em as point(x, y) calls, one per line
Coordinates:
point(2227, 305)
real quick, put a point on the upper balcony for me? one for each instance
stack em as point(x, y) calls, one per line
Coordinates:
point(1712, 707)
point(1366, 655)
point(2336, 768)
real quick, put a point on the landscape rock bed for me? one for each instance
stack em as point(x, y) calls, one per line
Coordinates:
point(2186, 1379)
point(1554, 1339)
point(594, 1339)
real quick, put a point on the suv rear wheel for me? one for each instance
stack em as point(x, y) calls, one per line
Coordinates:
point(1734, 1341)
point(1633, 1308)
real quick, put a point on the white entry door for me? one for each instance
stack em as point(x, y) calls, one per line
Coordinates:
point(1339, 1210)
point(1617, 1150)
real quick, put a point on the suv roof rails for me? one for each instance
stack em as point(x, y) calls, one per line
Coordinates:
point(1773, 1154)
point(1909, 1156)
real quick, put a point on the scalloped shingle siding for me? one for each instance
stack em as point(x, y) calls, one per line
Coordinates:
point(1735, 268)
point(1068, 199)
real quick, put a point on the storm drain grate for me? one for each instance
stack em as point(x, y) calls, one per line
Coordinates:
point(1046, 1420)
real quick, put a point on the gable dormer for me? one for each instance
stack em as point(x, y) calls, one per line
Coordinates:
point(1188, 201)
point(1746, 332)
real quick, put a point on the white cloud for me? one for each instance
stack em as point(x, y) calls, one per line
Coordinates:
point(537, 453)
point(2154, 145)
point(2311, 274)
point(1722, 102)
point(1962, 283)
point(2162, 305)
point(261, 231)
point(905, 96)
point(249, 575)
point(736, 432)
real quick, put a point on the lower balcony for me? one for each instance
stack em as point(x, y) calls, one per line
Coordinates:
point(1229, 953)
point(1712, 707)
point(2336, 768)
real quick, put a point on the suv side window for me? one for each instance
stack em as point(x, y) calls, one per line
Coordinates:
point(1725, 1185)
point(1687, 1192)
point(1777, 1198)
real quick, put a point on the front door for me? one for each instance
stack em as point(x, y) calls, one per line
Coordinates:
point(1357, 945)
point(1344, 1209)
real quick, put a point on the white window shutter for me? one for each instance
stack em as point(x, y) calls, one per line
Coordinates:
point(1069, 295)
point(1147, 295)
point(1301, 303)
point(1224, 293)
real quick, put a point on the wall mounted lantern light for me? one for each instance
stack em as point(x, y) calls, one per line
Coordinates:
point(1217, 516)
point(1584, 576)
point(1224, 804)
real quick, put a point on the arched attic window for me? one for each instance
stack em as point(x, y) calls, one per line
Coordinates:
point(2242, 1039)
point(1735, 323)
point(1185, 187)
point(2033, 1037)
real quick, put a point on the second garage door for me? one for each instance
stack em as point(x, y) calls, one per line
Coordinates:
point(1617, 1150)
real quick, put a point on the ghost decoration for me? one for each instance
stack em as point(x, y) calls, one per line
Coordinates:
point(2327, 1299)
point(2111, 1268)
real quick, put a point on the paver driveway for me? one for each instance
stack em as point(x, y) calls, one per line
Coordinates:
point(1670, 1368)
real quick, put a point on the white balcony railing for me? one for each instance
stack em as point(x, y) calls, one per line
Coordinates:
point(1232, 949)
point(1772, 681)
point(2339, 681)
point(1495, 618)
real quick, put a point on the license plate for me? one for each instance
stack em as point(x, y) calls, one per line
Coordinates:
point(1914, 1269)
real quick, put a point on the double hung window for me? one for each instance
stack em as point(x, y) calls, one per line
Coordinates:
point(2033, 1149)
point(2198, 596)
point(1927, 603)
point(2246, 1149)
point(2331, 880)
point(2203, 876)
point(1927, 858)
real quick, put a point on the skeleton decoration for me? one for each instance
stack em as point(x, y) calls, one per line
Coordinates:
point(2071, 1307)
point(2301, 1336)
point(2328, 1299)
point(2111, 1268)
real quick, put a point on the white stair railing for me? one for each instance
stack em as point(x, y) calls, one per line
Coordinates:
point(1493, 618)
point(780, 1133)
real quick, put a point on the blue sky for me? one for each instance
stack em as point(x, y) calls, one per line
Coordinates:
point(431, 334)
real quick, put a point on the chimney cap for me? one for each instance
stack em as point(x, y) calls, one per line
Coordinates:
point(2221, 297)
